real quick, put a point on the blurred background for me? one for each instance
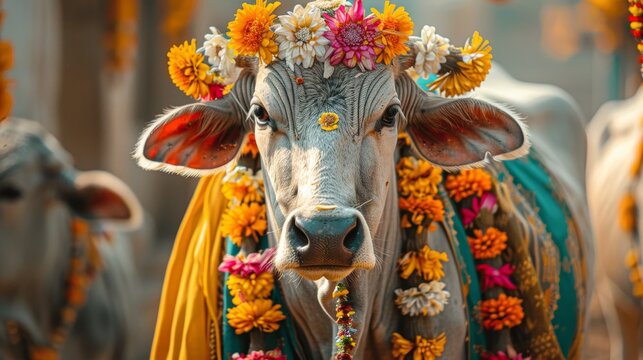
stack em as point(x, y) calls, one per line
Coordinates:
point(94, 72)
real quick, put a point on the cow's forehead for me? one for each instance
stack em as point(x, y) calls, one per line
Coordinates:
point(304, 93)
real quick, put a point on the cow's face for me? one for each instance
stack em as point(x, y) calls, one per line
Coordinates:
point(38, 194)
point(327, 180)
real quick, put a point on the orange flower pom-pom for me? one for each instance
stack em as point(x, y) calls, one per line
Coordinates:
point(503, 312)
point(244, 221)
point(467, 183)
point(488, 244)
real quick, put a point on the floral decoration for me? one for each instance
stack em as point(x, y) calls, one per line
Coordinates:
point(260, 355)
point(396, 26)
point(6, 62)
point(428, 299)
point(627, 213)
point(468, 182)
point(502, 312)
point(635, 9)
point(487, 202)
point(220, 56)
point(353, 38)
point(427, 263)
point(510, 354)
point(344, 340)
point(487, 244)
point(432, 51)
point(254, 286)
point(250, 32)
point(258, 314)
point(492, 277)
point(255, 263)
point(423, 349)
point(250, 147)
point(244, 221)
point(188, 71)
point(301, 36)
point(329, 5)
point(417, 177)
point(243, 186)
point(422, 210)
point(329, 121)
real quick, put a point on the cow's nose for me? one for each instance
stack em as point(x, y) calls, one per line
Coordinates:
point(327, 241)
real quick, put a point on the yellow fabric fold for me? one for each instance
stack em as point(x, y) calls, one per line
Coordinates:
point(190, 291)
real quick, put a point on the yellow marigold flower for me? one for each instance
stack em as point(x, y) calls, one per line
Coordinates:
point(488, 244)
point(241, 186)
point(425, 349)
point(250, 32)
point(188, 71)
point(469, 73)
point(6, 55)
point(396, 26)
point(244, 221)
point(467, 183)
point(422, 210)
point(329, 121)
point(259, 314)
point(404, 138)
point(627, 213)
point(250, 146)
point(503, 312)
point(638, 160)
point(417, 177)
point(426, 262)
point(631, 259)
point(255, 286)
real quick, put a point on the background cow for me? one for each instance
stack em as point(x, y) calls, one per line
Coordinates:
point(615, 136)
point(41, 199)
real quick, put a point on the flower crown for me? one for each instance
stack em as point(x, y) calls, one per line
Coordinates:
point(332, 32)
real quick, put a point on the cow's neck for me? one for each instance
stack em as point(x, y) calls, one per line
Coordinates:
point(371, 291)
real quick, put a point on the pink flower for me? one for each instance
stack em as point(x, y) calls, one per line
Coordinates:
point(260, 355)
point(255, 263)
point(500, 355)
point(487, 201)
point(215, 92)
point(492, 277)
point(353, 37)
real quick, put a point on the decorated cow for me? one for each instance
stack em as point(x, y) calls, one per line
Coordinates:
point(344, 211)
point(614, 188)
point(65, 287)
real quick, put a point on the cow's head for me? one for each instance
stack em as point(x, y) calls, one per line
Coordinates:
point(39, 191)
point(327, 189)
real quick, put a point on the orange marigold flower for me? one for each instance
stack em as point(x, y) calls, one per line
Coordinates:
point(401, 346)
point(426, 262)
point(6, 55)
point(244, 221)
point(260, 314)
point(242, 186)
point(250, 32)
point(467, 183)
point(422, 210)
point(404, 138)
point(188, 71)
point(503, 312)
point(425, 349)
point(488, 244)
point(417, 177)
point(250, 146)
point(396, 26)
point(255, 286)
point(627, 213)
point(638, 160)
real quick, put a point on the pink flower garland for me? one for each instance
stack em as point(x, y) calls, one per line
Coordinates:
point(255, 263)
point(492, 277)
point(260, 355)
point(487, 201)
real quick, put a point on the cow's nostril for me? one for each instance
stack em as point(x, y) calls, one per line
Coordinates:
point(299, 238)
point(353, 239)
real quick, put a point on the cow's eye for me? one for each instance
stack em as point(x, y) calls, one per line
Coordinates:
point(390, 116)
point(261, 116)
point(9, 193)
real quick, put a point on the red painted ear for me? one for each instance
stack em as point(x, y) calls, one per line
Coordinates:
point(454, 133)
point(197, 139)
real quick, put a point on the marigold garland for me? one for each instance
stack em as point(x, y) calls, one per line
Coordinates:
point(250, 32)
point(502, 312)
point(417, 177)
point(242, 186)
point(422, 210)
point(245, 221)
point(428, 299)
point(487, 244)
point(188, 71)
point(427, 263)
point(254, 286)
point(467, 183)
point(344, 341)
point(627, 213)
point(635, 9)
point(425, 349)
point(258, 314)
point(261, 355)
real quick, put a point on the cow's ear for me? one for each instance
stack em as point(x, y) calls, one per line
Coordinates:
point(199, 139)
point(98, 195)
point(463, 132)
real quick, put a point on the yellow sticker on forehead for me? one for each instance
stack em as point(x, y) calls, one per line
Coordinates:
point(329, 121)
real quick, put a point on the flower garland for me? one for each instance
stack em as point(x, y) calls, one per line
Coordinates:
point(344, 340)
point(628, 215)
point(121, 39)
point(331, 32)
point(420, 267)
point(472, 192)
point(635, 9)
point(6, 62)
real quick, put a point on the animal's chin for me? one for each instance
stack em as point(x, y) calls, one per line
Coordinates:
point(332, 273)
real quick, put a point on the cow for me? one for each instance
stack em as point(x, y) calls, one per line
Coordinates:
point(615, 143)
point(65, 285)
point(345, 178)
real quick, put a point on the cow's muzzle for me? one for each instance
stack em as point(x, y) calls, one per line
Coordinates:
point(329, 245)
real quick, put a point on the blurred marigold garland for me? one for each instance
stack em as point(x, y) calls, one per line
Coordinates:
point(6, 62)
point(635, 10)
point(122, 35)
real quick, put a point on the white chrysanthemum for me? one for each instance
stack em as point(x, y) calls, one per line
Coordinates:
point(428, 299)
point(432, 50)
point(329, 5)
point(220, 56)
point(300, 36)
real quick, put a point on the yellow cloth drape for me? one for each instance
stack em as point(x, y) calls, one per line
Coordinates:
point(190, 290)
